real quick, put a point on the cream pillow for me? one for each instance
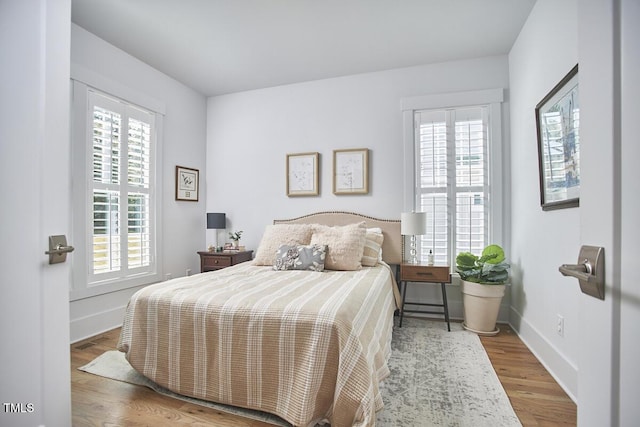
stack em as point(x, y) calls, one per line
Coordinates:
point(345, 245)
point(372, 247)
point(280, 234)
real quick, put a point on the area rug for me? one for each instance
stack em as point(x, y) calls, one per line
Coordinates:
point(438, 378)
point(441, 378)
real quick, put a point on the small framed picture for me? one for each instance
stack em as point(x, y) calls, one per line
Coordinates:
point(187, 184)
point(302, 174)
point(351, 171)
point(557, 124)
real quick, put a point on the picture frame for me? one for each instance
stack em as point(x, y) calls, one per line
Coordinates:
point(351, 171)
point(187, 184)
point(557, 128)
point(302, 174)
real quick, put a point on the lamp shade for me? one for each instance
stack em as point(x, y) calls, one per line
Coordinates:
point(216, 220)
point(413, 223)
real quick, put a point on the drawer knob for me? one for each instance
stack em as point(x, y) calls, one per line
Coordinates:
point(428, 273)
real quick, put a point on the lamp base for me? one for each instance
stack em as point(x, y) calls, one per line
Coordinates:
point(413, 259)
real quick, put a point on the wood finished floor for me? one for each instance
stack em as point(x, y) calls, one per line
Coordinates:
point(535, 396)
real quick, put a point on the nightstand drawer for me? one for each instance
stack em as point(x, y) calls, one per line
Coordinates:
point(216, 261)
point(422, 273)
point(210, 261)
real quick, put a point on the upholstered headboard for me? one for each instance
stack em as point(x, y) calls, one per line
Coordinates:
point(391, 246)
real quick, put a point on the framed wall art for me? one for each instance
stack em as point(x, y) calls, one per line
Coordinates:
point(557, 125)
point(187, 184)
point(302, 174)
point(351, 171)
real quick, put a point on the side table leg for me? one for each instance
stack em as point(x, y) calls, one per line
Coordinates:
point(403, 291)
point(445, 305)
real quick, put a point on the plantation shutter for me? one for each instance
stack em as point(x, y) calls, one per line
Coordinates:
point(122, 226)
point(452, 180)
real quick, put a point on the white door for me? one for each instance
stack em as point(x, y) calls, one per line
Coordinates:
point(630, 215)
point(609, 377)
point(34, 198)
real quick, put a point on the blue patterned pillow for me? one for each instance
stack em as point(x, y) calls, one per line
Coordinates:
point(300, 257)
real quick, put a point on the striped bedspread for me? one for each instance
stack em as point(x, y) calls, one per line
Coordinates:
point(307, 346)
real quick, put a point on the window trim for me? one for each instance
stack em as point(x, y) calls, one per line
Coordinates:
point(493, 99)
point(80, 131)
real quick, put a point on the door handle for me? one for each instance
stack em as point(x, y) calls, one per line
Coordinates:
point(58, 249)
point(589, 271)
point(580, 271)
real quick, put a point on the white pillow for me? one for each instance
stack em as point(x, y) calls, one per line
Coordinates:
point(345, 245)
point(280, 234)
point(372, 254)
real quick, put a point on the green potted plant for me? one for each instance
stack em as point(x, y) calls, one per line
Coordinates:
point(483, 285)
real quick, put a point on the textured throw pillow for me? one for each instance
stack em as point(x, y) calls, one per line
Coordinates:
point(345, 245)
point(372, 247)
point(299, 257)
point(280, 234)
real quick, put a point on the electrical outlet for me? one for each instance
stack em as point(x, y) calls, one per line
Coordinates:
point(188, 272)
point(560, 325)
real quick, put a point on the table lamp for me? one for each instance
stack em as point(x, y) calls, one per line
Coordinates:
point(216, 221)
point(413, 224)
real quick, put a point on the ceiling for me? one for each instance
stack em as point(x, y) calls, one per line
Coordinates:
point(224, 46)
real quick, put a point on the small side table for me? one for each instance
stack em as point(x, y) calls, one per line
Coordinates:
point(210, 261)
point(422, 273)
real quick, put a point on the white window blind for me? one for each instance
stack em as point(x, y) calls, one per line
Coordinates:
point(122, 226)
point(452, 180)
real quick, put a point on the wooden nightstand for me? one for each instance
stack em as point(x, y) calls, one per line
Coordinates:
point(422, 273)
point(210, 261)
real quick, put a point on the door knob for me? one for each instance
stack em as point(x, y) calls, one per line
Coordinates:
point(589, 271)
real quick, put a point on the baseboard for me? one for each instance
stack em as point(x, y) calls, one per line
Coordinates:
point(562, 370)
point(97, 323)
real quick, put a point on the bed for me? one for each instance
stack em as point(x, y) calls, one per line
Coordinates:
point(307, 344)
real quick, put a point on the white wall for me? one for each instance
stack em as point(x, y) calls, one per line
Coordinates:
point(250, 133)
point(545, 51)
point(184, 126)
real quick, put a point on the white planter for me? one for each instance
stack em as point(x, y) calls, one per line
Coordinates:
point(481, 306)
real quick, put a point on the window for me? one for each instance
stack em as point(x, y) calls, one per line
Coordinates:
point(116, 158)
point(453, 160)
point(452, 180)
point(121, 189)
